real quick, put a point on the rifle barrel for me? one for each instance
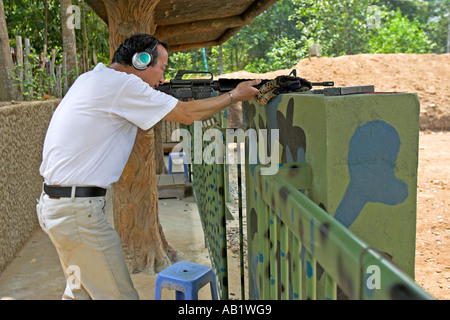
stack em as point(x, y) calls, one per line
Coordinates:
point(323, 84)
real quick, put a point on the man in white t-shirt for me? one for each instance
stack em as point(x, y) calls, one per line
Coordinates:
point(88, 143)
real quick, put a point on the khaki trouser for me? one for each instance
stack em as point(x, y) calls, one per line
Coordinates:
point(88, 247)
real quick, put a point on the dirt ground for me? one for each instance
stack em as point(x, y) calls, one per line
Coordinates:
point(433, 214)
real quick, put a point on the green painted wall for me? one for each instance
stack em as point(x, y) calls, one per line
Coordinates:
point(363, 152)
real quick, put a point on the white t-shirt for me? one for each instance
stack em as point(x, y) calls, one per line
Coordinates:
point(92, 132)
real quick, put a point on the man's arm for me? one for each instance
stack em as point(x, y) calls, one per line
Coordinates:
point(187, 112)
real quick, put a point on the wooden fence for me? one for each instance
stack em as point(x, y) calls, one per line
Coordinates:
point(38, 77)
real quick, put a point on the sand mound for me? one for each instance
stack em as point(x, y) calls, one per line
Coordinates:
point(428, 75)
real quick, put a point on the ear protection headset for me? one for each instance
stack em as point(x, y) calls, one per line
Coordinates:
point(141, 60)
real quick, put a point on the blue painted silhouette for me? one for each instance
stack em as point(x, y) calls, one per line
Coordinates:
point(371, 161)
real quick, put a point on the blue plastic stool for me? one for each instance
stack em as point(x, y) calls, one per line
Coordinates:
point(187, 279)
point(176, 156)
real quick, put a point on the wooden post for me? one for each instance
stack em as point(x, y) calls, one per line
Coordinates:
point(43, 57)
point(52, 71)
point(94, 55)
point(85, 40)
point(58, 81)
point(19, 57)
point(220, 60)
point(28, 70)
point(64, 78)
point(135, 197)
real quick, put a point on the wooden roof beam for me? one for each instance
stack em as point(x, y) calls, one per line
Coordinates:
point(257, 8)
point(228, 25)
point(175, 30)
point(252, 12)
point(234, 25)
point(193, 45)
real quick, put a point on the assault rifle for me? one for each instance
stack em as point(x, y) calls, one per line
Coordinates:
point(197, 88)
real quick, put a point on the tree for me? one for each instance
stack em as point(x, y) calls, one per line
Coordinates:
point(6, 79)
point(273, 27)
point(339, 26)
point(93, 37)
point(27, 19)
point(69, 41)
point(399, 35)
point(433, 18)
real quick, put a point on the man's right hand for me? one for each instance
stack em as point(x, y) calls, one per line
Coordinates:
point(245, 91)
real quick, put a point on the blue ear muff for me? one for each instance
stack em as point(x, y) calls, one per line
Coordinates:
point(141, 60)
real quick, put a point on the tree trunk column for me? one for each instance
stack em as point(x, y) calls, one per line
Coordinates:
point(135, 196)
point(135, 205)
point(127, 17)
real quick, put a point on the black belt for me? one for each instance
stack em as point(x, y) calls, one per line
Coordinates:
point(80, 192)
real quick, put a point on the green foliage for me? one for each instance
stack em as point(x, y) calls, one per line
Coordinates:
point(97, 34)
point(400, 35)
point(276, 39)
point(339, 26)
point(38, 84)
point(178, 61)
point(26, 18)
point(281, 36)
point(271, 41)
point(435, 18)
point(284, 54)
